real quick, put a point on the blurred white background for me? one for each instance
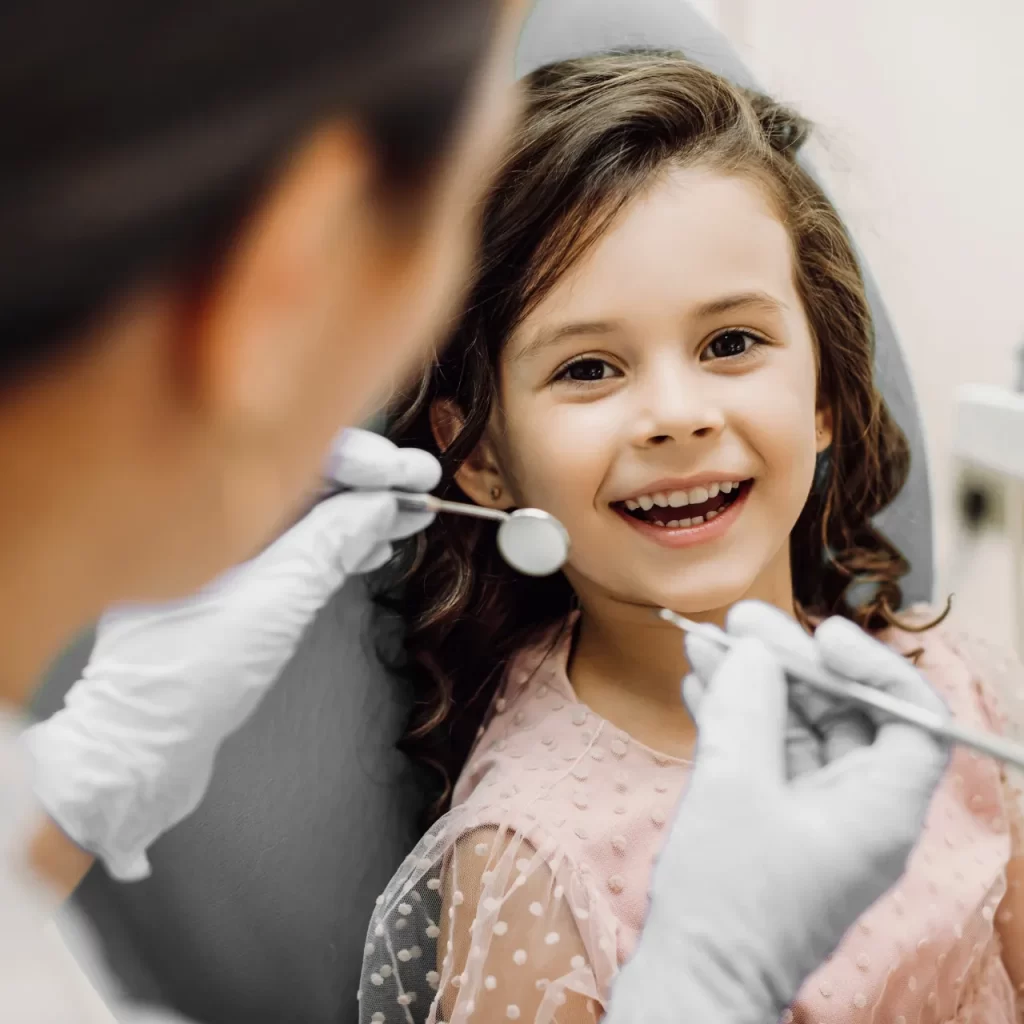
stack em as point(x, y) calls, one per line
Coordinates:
point(920, 138)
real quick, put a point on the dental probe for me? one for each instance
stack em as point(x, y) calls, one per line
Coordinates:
point(802, 670)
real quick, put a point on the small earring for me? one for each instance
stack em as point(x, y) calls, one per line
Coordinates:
point(495, 493)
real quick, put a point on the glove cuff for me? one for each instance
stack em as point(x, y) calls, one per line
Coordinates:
point(120, 865)
point(84, 812)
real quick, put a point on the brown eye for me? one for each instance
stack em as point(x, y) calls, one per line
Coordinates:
point(730, 344)
point(587, 371)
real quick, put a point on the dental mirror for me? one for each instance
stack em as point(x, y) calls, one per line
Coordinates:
point(531, 541)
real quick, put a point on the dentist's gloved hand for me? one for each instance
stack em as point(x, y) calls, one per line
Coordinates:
point(132, 751)
point(765, 870)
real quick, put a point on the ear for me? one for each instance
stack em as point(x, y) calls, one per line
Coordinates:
point(268, 317)
point(480, 476)
point(823, 428)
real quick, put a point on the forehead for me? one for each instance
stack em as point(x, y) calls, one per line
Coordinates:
point(693, 235)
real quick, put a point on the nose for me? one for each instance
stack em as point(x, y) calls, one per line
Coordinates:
point(677, 404)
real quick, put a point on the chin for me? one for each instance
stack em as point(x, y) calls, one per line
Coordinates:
point(694, 600)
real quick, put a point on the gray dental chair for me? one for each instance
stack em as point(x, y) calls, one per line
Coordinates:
point(257, 906)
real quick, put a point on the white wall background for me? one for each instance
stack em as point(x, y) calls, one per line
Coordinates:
point(921, 140)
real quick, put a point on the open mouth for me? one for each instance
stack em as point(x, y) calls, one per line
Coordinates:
point(680, 509)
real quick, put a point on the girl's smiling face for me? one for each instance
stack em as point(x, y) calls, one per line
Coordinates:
point(669, 378)
point(665, 304)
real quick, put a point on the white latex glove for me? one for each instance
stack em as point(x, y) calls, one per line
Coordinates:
point(819, 730)
point(764, 872)
point(131, 752)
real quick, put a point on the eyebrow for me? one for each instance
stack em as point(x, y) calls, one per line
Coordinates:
point(551, 336)
point(740, 300)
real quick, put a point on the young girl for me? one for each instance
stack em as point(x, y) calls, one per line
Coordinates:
point(668, 347)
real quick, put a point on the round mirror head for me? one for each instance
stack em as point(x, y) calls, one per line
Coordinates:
point(533, 542)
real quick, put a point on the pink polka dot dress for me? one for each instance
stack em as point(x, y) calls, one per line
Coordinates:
point(523, 901)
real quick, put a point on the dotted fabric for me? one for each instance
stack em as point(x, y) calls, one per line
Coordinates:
point(522, 902)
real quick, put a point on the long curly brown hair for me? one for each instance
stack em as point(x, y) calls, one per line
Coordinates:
point(595, 131)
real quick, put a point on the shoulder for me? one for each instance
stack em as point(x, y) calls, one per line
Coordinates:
point(960, 662)
point(531, 707)
point(477, 842)
point(931, 629)
point(491, 874)
point(934, 645)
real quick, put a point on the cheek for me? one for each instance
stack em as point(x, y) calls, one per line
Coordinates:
point(397, 311)
point(443, 270)
point(559, 455)
point(778, 418)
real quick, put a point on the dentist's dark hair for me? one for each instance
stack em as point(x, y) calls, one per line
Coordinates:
point(136, 134)
point(596, 132)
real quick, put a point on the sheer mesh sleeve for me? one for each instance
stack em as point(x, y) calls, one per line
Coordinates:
point(998, 677)
point(482, 923)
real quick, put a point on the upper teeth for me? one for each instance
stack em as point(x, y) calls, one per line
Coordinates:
point(676, 499)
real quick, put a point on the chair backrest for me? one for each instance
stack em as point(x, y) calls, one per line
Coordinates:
point(257, 906)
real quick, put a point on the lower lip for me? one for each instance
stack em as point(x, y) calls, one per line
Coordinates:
point(686, 536)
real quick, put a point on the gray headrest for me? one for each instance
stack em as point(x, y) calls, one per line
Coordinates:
point(562, 29)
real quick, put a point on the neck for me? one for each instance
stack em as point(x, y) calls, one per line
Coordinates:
point(46, 596)
point(628, 664)
point(38, 608)
point(65, 543)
